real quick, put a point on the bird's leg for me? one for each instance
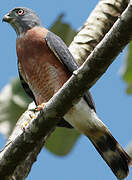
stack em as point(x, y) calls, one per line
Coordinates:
point(26, 123)
point(32, 115)
point(39, 107)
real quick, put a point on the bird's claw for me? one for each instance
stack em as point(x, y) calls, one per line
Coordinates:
point(40, 107)
point(25, 124)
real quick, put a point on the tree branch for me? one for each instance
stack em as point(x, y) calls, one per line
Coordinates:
point(20, 145)
point(96, 26)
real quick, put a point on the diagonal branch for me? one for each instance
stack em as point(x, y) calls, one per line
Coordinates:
point(96, 26)
point(20, 145)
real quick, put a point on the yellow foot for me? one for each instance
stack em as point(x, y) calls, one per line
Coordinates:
point(27, 122)
point(25, 125)
point(31, 116)
point(40, 107)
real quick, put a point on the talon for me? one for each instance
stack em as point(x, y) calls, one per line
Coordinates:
point(25, 124)
point(31, 116)
point(40, 107)
point(37, 109)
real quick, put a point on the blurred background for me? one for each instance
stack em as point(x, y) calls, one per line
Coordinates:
point(113, 104)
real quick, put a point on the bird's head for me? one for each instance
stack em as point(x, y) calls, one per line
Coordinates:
point(22, 19)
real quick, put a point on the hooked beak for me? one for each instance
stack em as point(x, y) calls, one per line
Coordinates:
point(7, 18)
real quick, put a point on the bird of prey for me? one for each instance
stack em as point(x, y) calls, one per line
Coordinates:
point(45, 64)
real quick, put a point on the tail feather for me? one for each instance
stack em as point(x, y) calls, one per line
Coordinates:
point(114, 155)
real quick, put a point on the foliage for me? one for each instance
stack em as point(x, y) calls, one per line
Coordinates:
point(127, 71)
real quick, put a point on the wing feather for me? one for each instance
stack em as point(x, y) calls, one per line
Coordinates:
point(25, 85)
point(59, 48)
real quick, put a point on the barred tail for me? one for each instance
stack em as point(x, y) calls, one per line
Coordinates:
point(83, 118)
point(114, 155)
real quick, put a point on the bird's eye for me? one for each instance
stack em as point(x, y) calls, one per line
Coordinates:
point(20, 12)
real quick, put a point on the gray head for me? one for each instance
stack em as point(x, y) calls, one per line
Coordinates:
point(22, 19)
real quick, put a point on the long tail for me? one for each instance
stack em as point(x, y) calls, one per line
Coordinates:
point(84, 119)
point(114, 155)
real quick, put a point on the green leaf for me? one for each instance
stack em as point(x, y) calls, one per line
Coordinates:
point(13, 102)
point(18, 94)
point(62, 141)
point(63, 30)
point(127, 70)
point(129, 89)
